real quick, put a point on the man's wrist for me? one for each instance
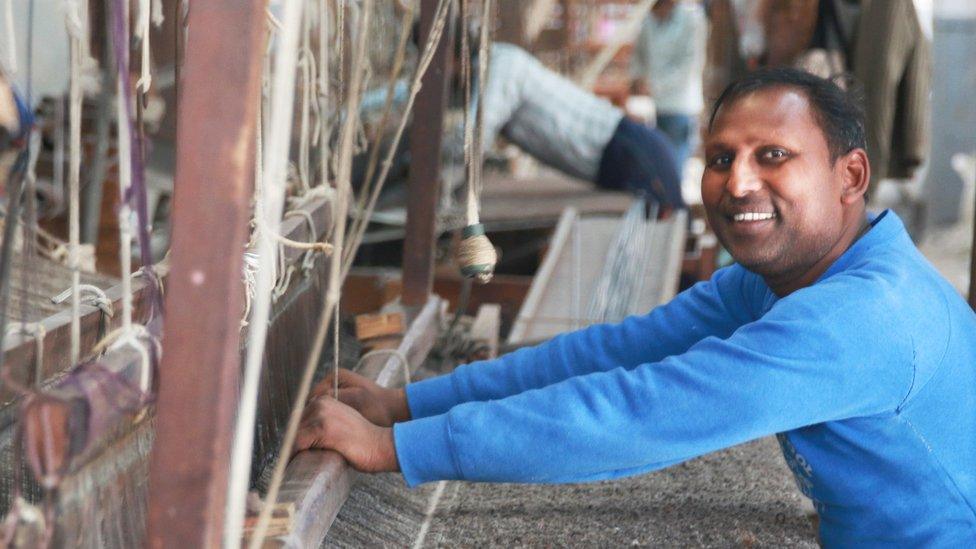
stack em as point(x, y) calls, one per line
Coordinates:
point(399, 408)
point(390, 462)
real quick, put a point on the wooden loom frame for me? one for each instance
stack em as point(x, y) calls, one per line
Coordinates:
point(188, 473)
point(213, 180)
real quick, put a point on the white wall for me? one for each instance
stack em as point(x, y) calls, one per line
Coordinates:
point(955, 9)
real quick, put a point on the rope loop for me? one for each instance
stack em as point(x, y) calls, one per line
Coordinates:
point(396, 353)
point(92, 296)
point(136, 336)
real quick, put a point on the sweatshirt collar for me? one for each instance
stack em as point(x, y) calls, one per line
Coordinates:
point(885, 227)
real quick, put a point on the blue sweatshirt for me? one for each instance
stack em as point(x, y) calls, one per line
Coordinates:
point(868, 378)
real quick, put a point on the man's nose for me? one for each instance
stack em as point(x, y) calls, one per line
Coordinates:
point(743, 178)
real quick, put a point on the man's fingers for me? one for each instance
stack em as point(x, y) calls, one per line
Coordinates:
point(351, 396)
point(347, 379)
point(304, 440)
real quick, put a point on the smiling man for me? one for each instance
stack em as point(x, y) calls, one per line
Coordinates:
point(831, 331)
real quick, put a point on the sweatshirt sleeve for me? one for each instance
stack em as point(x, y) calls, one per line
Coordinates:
point(828, 352)
point(711, 308)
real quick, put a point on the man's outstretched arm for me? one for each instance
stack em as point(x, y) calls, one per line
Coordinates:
point(803, 363)
point(712, 308)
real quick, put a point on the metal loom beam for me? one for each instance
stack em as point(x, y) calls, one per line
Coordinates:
point(199, 374)
point(423, 188)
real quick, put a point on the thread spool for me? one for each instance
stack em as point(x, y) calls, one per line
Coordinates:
point(476, 255)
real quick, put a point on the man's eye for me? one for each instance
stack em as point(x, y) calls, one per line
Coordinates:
point(720, 160)
point(775, 154)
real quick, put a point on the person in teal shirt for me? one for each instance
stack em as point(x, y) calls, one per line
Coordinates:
point(830, 331)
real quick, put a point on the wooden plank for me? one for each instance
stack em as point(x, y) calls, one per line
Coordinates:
point(506, 199)
point(560, 238)
point(379, 325)
point(318, 482)
point(485, 328)
point(199, 374)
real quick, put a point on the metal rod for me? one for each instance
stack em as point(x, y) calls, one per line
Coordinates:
point(425, 168)
point(201, 350)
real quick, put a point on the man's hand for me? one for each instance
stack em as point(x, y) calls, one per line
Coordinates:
point(328, 424)
point(638, 86)
point(381, 406)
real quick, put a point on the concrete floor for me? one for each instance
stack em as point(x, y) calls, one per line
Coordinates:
point(740, 497)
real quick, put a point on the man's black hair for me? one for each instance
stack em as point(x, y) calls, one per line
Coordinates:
point(838, 112)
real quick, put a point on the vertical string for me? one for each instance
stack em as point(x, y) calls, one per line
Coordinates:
point(125, 168)
point(476, 255)
point(272, 195)
point(324, 93)
point(307, 65)
point(471, 209)
point(142, 32)
point(484, 54)
point(335, 351)
point(11, 38)
point(343, 175)
point(77, 33)
point(473, 137)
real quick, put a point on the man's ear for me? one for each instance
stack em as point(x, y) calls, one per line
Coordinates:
point(855, 170)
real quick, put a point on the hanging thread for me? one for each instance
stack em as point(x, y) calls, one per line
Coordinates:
point(369, 193)
point(343, 175)
point(268, 212)
point(476, 255)
point(430, 47)
point(131, 187)
point(74, 21)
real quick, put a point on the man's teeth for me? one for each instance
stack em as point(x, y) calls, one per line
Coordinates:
point(753, 216)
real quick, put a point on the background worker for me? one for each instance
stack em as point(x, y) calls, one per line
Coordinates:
point(831, 331)
point(574, 131)
point(668, 63)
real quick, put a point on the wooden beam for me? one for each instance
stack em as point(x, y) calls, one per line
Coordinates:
point(369, 288)
point(560, 238)
point(197, 401)
point(423, 187)
point(318, 482)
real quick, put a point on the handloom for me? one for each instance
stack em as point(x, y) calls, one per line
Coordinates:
point(83, 478)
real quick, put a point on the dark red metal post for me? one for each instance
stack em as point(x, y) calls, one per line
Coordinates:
point(198, 382)
point(425, 167)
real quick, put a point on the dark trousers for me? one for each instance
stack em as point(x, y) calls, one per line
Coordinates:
point(680, 129)
point(641, 160)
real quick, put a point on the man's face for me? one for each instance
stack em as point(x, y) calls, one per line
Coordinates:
point(770, 189)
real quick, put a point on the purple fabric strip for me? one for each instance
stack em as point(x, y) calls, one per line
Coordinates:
point(135, 195)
